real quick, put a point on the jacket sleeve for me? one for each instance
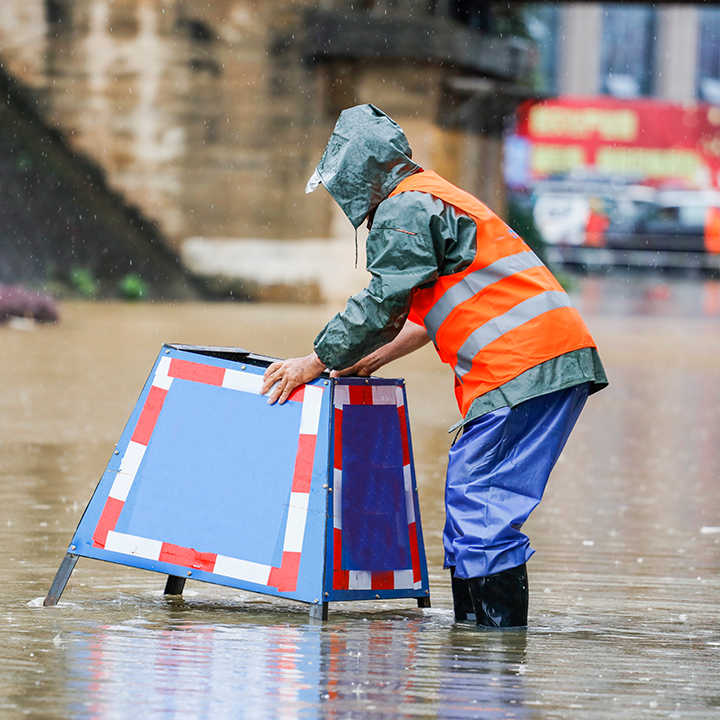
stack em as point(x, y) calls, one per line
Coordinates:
point(403, 252)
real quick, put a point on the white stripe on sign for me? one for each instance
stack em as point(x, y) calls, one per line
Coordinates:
point(162, 379)
point(242, 570)
point(409, 503)
point(133, 545)
point(310, 417)
point(403, 579)
point(383, 395)
point(132, 458)
point(360, 580)
point(299, 500)
point(399, 396)
point(242, 381)
point(337, 499)
point(295, 528)
point(342, 395)
point(121, 486)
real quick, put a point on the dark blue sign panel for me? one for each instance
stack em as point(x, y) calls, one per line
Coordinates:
point(375, 532)
point(376, 547)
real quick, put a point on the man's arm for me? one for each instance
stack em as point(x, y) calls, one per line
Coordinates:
point(411, 338)
point(289, 374)
point(402, 255)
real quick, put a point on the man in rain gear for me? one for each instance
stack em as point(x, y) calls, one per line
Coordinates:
point(445, 268)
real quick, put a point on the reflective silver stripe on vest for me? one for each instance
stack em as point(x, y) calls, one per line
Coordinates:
point(476, 281)
point(515, 317)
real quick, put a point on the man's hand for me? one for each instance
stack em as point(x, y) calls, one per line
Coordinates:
point(287, 375)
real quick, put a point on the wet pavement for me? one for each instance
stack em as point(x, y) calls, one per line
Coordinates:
point(624, 616)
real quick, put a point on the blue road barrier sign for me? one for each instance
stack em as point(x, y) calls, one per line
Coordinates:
point(314, 500)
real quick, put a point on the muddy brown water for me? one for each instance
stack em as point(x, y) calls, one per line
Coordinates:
point(624, 616)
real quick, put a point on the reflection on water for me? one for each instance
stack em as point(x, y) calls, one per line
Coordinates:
point(391, 664)
point(624, 585)
point(196, 671)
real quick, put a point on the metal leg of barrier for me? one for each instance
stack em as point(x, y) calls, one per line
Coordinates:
point(424, 602)
point(319, 611)
point(61, 578)
point(174, 585)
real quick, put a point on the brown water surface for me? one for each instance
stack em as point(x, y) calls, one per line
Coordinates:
point(624, 618)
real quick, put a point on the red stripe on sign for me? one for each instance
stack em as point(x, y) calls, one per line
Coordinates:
point(337, 548)
point(196, 372)
point(187, 557)
point(341, 580)
point(360, 395)
point(298, 394)
point(285, 578)
point(383, 580)
point(108, 520)
point(338, 439)
point(404, 435)
point(414, 552)
point(302, 477)
point(149, 415)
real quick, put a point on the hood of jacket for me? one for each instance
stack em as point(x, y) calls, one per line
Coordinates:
point(365, 159)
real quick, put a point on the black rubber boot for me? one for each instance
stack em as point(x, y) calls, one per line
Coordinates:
point(501, 600)
point(462, 600)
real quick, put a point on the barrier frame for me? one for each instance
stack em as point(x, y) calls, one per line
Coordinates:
point(309, 568)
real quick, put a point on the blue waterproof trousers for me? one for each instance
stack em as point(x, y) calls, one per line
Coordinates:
point(497, 473)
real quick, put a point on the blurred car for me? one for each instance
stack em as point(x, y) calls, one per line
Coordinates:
point(561, 217)
point(675, 222)
point(562, 210)
point(632, 226)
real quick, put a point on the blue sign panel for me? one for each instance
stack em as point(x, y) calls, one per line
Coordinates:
point(211, 482)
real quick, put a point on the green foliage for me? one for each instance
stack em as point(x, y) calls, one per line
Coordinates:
point(23, 162)
point(83, 282)
point(520, 219)
point(568, 282)
point(133, 287)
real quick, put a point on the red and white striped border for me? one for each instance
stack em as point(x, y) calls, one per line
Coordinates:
point(365, 579)
point(283, 578)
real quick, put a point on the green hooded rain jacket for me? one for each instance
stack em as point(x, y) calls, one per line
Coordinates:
point(414, 238)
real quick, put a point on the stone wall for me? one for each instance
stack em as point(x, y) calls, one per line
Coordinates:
point(62, 229)
point(206, 114)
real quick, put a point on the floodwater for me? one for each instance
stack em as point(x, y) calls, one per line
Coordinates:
point(624, 616)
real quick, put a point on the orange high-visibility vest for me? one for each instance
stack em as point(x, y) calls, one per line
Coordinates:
point(502, 315)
